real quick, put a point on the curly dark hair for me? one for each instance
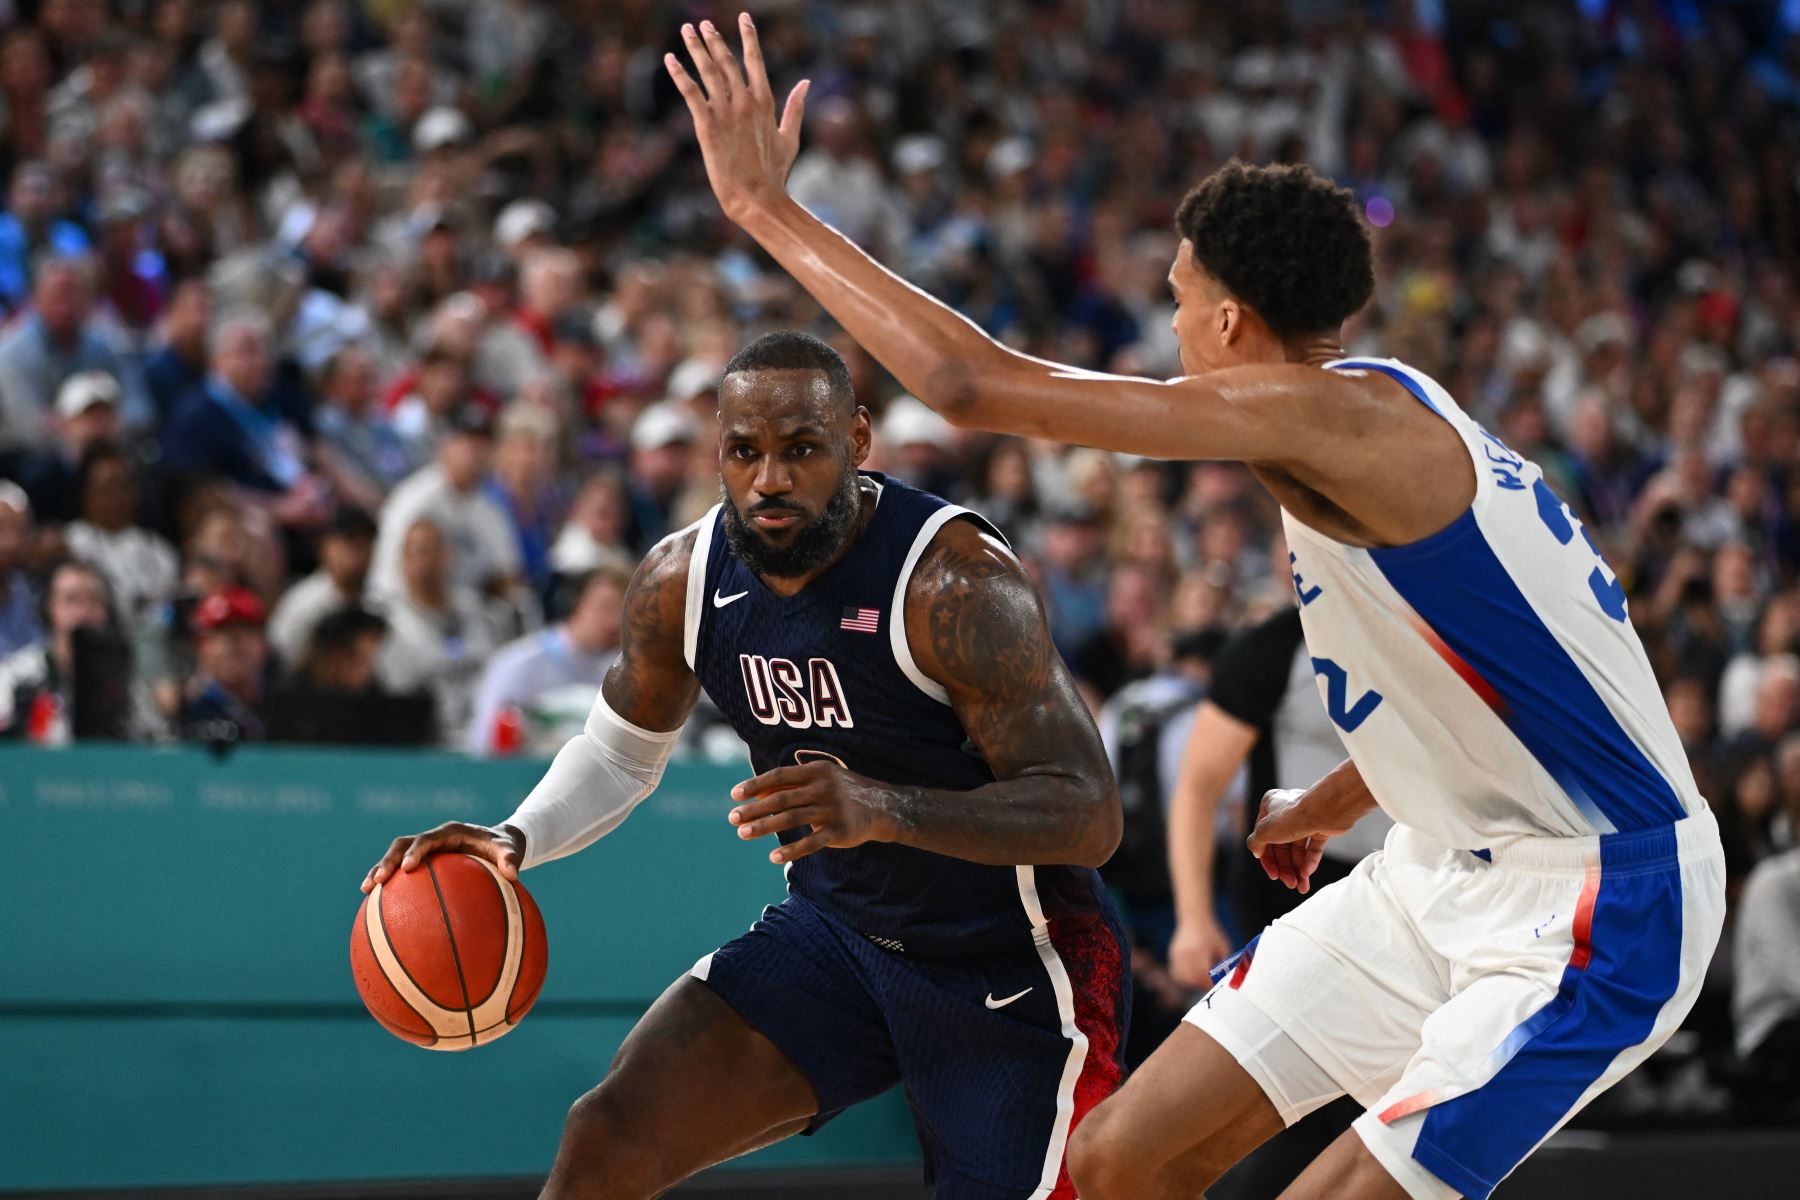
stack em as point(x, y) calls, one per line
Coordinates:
point(1288, 243)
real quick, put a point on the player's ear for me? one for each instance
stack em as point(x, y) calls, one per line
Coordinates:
point(862, 436)
point(1230, 321)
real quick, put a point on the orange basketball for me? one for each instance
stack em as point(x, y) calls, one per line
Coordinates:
point(449, 955)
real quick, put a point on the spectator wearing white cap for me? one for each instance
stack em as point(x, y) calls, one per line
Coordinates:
point(695, 383)
point(524, 226)
point(915, 444)
point(86, 413)
point(662, 445)
point(442, 129)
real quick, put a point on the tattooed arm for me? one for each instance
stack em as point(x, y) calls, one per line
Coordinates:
point(605, 771)
point(976, 626)
point(650, 684)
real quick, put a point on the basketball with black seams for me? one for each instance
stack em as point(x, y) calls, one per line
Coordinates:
point(449, 955)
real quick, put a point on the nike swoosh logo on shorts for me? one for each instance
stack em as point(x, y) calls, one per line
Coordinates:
point(721, 601)
point(993, 1003)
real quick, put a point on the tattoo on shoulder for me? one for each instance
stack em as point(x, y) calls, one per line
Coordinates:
point(658, 591)
point(984, 623)
point(655, 611)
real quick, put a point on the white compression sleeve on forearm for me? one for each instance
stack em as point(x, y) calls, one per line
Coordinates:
point(592, 785)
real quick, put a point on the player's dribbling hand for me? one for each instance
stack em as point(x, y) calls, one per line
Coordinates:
point(842, 808)
point(1290, 835)
point(1197, 947)
point(500, 846)
point(747, 154)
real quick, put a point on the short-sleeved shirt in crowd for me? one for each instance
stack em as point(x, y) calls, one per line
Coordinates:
point(299, 612)
point(1767, 950)
point(549, 679)
point(441, 652)
point(482, 542)
point(141, 569)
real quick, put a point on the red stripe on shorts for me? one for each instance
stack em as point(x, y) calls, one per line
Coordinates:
point(1090, 954)
point(1583, 928)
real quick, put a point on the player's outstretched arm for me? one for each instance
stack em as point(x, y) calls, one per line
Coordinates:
point(976, 626)
point(1260, 414)
point(608, 769)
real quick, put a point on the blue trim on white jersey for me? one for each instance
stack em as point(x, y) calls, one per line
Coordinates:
point(1392, 372)
point(1473, 1140)
point(1458, 586)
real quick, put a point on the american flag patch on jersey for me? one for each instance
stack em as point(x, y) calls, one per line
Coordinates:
point(862, 620)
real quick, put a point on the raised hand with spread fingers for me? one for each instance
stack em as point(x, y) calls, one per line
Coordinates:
point(748, 154)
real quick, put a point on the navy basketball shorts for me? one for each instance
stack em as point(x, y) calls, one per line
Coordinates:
point(1000, 1055)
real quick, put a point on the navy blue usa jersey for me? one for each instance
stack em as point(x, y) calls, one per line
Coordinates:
point(827, 674)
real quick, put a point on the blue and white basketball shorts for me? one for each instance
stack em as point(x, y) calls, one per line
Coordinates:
point(1473, 1005)
point(1000, 1055)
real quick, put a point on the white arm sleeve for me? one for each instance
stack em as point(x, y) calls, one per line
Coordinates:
point(592, 785)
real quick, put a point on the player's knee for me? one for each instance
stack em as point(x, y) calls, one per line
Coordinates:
point(1100, 1164)
point(1107, 1162)
point(601, 1154)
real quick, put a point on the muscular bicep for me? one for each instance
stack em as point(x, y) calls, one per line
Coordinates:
point(651, 685)
point(1264, 413)
point(976, 625)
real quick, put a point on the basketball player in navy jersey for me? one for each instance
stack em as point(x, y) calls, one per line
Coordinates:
point(1540, 918)
point(938, 791)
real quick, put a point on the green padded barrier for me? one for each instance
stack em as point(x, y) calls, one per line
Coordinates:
point(117, 1102)
point(175, 996)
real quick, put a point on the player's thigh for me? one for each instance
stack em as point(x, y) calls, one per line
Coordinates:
point(1329, 1000)
point(693, 1084)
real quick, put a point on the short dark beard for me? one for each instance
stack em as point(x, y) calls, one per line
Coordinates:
point(814, 545)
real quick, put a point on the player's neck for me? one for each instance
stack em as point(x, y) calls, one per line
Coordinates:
point(865, 509)
point(1314, 350)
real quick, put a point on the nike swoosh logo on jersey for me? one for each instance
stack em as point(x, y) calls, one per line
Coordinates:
point(721, 601)
point(993, 1003)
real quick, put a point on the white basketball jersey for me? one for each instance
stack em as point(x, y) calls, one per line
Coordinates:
point(1486, 680)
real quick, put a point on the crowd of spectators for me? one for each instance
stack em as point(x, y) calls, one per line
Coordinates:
point(355, 350)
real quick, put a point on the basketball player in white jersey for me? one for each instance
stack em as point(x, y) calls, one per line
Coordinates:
point(1539, 919)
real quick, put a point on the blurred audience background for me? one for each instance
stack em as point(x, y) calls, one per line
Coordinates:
point(359, 348)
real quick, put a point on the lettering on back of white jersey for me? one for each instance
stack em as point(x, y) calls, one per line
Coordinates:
point(780, 692)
